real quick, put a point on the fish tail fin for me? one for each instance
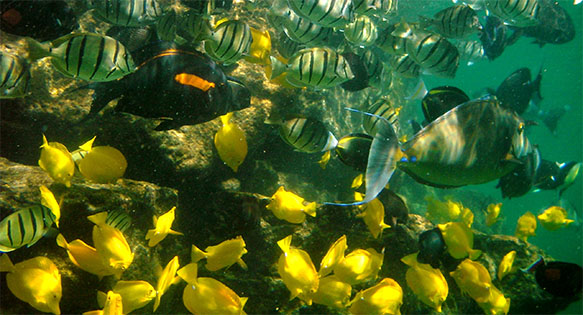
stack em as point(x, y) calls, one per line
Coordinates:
point(226, 118)
point(101, 297)
point(157, 301)
point(98, 218)
point(311, 209)
point(424, 21)
point(277, 68)
point(45, 142)
point(196, 254)
point(410, 260)
point(87, 145)
point(150, 234)
point(36, 49)
point(242, 264)
point(285, 243)
point(175, 232)
point(62, 242)
point(188, 273)
point(6, 264)
point(475, 254)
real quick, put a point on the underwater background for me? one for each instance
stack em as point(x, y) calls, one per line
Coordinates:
point(182, 168)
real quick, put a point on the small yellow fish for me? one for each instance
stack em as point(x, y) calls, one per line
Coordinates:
point(288, 206)
point(297, 271)
point(473, 278)
point(442, 211)
point(222, 255)
point(526, 226)
point(113, 305)
point(496, 304)
point(505, 266)
point(459, 240)
point(332, 292)
point(493, 213)
point(384, 298)
point(162, 228)
point(373, 214)
point(166, 278)
point(260, 49)
point(48, 200)
point(334, 255)
point(56, 160)
point(426, 282)
point(231, 143)
point(134, 295)
point(103, 165)
point(36, 281)
point(467, 217)
point(325, 159)
point(359, 265)
point(207, 295)
point(85, 257)
point(554, 218)
point(357, 181)
point(111, 245)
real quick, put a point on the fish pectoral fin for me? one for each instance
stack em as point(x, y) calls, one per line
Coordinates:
point(175, 232)
point(242, 263)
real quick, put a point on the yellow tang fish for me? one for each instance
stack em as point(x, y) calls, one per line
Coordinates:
point(48, 200)
point(473, 278)
point(222, 255)
point(426, 282)
point(459, 240)
point(85, 257)
point(36, 281)
point(113, 305)
point(526, 226)
point(103, 165)
point(442, 211)
point(357, 181)
point(56, 160)
point(496, 304)
point(260, 49)
point(373, 214)
point(167, 277)
point(288, 206)
point(231, 143)
point(359, 265)
point(207, 295)
point(134, 295)
point(334, 255)
point(505, 266)
point(111, 245)
point(332, 292)
point(554, 218)
point(493, 213)
point(297, 271)
point(384, 298)
point(162, 228)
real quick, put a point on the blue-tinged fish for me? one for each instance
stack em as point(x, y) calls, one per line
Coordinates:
point(562, 279)
point(433, 53)
point(316, 67)
point(379, 8)
point(458, 21)
point(14, 76)
point(518, 89)
point(128, 12)
point(297, 28)
point(556, 176)
point(361, 32)
point(520, 13)
point(86, 56)
point(329, 13)
point(495, 37)
point(555, 24)
point(229, 41)
point(405, 66)
point(381, 109)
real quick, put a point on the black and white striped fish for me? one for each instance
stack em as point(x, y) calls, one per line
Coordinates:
point(374, 67)
point(128, 12)
point(521, 13)
point(387, 42)
point(470, 51)
point(25, 227)
point(14, 76)
point(382, 108)
point(380, 8)
point(329, 13)
point(315, 67)
point(307, 135)
point(433, 53)
point(86, 56)
point(405, 66)
point(286, 46)
point(361, 32)
point(300, 29)
point(229, 41)
point(118, 219)
point(457, 21)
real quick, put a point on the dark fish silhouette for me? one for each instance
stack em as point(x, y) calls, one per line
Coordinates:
point(352, 150)
point(431, 247)
point(556, 176)
point(441, 99)
point(555, 25)
point(517, 90)
point(519, 182)
point(559, 278)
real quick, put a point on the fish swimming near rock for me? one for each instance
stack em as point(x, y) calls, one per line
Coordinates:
point(229, 41)
point(359, 266)
point(328, 13)
point(333, 256)
point(386, 297)
point(14, 76)
point(222, 255)
point(128, 12)
point(332, 292)
point(25, 227)
point(57, 161)
point(231, 143)
point(288, 206)
point(195, 89)
point(134, 294)
point(166, 278)
point(525, 226)
point(426, 282)
point(297, 28)
point(559, 278)
point(554, 218)
point(520, 181)
point(306, 135)
point(352, 150)
point(162, 227)
point(297, 271)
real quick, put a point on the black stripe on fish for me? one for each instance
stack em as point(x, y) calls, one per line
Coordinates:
point(9, 232)
point(9, 72)
point(21, 226)
point(33, 223)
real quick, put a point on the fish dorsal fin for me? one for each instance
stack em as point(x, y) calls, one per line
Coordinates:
point(98, 218)
point(285, 243)
point(188, 273)
point(87, 145)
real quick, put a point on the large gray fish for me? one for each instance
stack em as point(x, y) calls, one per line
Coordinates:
point(361, 32)
point(297, 28)
point(229, 42)
point(307, 135)
point(458, 21)
point(86, 56)
point(315, 67)
point(520, 13)
point(474, 143)
point(14, 76)
point(128, 12)
point(25, 227)
point(329, 13)
point(433, 53)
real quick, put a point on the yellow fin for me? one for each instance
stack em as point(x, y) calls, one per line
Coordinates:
point(101, 297)
point(87, 146)
point(188, 273)
point(62, 242)
point(196, 254)
point(325, 159)
point(311, 209)
point(410, 260)
point(475, 254)
point(285, 243)
point(226, 118)
point(242, 263)
point(357, 181)
point(98, 218)
point(5, 264)
point(175, 232)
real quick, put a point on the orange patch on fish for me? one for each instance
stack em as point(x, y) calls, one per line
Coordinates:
point(193, 80)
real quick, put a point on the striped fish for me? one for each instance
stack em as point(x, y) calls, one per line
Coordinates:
point(118, 219)
point(382, 108)
point(307, 135)
point(329, 13)
point(391, 44)
point(434, 53)
point(470, 51)
point(25, 227)
point(166, 26)
point(315, 67)
point(405, 66)
point(374, 67)
point(229, 41)
point(361, 32)
point(86, 56)
point(458, 21)
point(286, 46)
point(128, 12)
point(521, 13)
point(380, 8)
point(14, 76)
point(301, 29)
